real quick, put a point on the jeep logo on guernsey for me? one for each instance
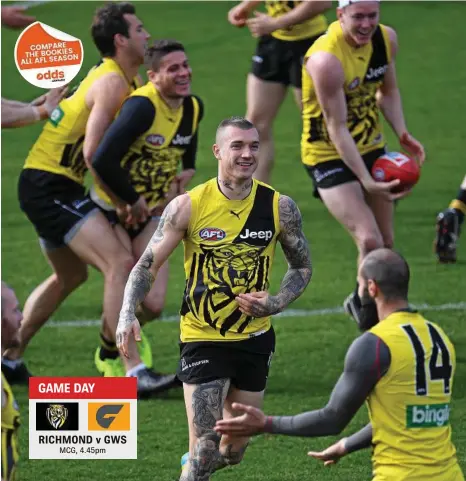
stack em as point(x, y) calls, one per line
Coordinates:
point(428, 416)
point(375, 73)
point(261, 234)
point(212, 234)
point(155, 139)
point(181, 139)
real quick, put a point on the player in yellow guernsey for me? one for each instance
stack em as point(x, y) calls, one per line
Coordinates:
point(285, 33)
point(348, 79)
point(72, 230)
point(229, 227)
point(154, 134)
point(403, 366)
point(11, 320)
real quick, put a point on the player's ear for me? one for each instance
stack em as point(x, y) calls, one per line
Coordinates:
point(372, 288)
point(151, 75)
point(216, 151)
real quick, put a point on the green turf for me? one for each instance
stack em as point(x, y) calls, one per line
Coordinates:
point(310, 350)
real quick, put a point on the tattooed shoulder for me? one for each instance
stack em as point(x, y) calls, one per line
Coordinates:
point(290, 216)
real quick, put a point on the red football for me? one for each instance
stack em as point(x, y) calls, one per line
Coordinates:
point(395, 165)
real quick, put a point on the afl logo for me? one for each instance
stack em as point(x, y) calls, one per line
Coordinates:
point(155, 139)
point(379, 174)
point(212, 233)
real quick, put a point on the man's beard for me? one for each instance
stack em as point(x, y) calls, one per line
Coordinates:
point(368, 312)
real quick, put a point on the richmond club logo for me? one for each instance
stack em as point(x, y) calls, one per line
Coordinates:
point(212, 234)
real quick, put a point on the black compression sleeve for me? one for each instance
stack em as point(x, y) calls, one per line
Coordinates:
point(368, 359)
point(136, 116)
point(189, 157)
point(360, 440)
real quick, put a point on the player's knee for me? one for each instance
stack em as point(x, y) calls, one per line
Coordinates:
point(119, 267)
point(369, 242)
point(71, 280)
point(262, 123)
point(150, 311)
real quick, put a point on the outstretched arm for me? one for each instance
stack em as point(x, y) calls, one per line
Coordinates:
point(367, 360)
point(170, 231)
point(296, 250)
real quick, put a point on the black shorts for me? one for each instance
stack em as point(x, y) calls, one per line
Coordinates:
point(133, 232)
point(280, 61)
point(335, 172)
point(246, 363)
point(56, 205)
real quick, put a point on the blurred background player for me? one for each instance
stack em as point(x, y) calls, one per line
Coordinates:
point(404, 367)
point(13, 16)
point(449, 227)
point(11, 320)
point(19, 114)
point(141, 152)
point(285, 34)
point(229, 226)
point(72, 231)
point(348, 78)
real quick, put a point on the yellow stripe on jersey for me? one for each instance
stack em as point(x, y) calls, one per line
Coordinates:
point(309, 28)
point(10, 426)
point(364, 70)
point(229, 249)
point(410, 405)
point(59, 148)
point(154, 158)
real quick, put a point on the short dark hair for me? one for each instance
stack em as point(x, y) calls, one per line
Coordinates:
point(109, 21)
point(235, 121)
point(390, 271)
point(158, 50)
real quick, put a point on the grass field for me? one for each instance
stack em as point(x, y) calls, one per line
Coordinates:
point(310, 350)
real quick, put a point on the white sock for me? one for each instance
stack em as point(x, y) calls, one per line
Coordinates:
point(134, 370)
point(13, 363)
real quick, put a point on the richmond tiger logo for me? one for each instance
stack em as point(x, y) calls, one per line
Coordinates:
point(57, 414)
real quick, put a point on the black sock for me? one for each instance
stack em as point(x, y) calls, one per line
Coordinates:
point(108, 349)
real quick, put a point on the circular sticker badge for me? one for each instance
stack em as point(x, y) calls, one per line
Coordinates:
point(46, 57)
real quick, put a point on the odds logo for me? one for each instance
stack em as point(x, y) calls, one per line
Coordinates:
point(108, 416)
point(46, 57)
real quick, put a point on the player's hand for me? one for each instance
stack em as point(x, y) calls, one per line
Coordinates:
point(381, 188)
point(183, 179)
point(251, 422)
point(54, 97)
point(14, 17)
point(332, 454)
point(258, 304)
point(237, 16)
point(137, 213)
point(413, 147)
point(261, 24)
point(128, 325)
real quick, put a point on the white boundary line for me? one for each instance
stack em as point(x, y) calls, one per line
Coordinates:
point(451, 306)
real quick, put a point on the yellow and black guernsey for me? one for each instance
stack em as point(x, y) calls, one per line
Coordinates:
point(309, 28)
point(142, 150)
point(364, 70)
point(59, 148)
point(228, 249)
point(10, 427)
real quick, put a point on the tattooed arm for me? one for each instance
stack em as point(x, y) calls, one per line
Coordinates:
point(170, 231)
point(296, 250)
